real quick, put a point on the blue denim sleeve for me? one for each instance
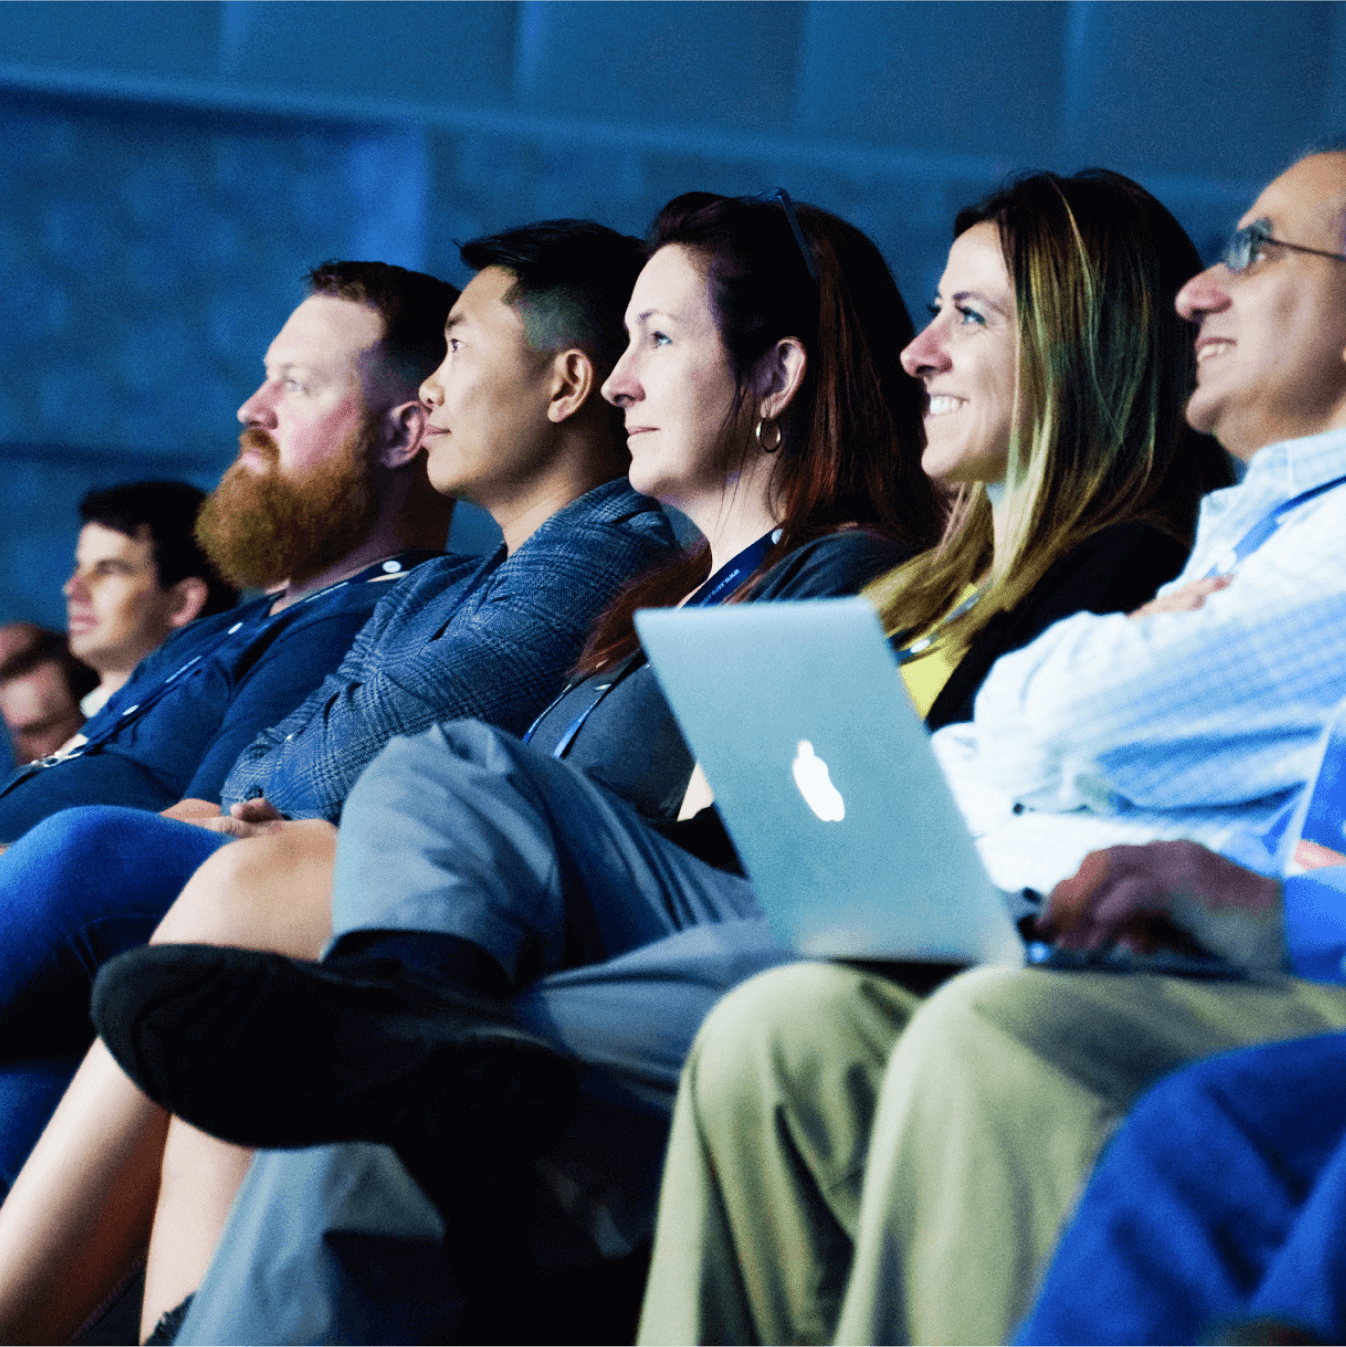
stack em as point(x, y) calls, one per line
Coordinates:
point(1315, 924)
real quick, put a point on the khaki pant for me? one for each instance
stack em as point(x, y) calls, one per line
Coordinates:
point(831, 1176)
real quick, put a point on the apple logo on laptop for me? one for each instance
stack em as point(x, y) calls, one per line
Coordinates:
point(815, 785)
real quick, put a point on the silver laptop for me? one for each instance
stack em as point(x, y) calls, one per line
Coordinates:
point(824, 776)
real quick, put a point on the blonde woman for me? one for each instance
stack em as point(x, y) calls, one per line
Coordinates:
point(1056, 370)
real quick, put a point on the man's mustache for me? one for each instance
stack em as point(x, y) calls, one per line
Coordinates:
point(261, 441)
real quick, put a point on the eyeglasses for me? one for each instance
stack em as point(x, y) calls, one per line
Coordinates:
point(1245, 244)
point(780, 197)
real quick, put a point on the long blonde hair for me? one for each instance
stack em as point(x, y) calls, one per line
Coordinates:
point(1105, 369)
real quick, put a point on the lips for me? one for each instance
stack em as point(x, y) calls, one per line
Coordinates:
point(1208, 348)
point(257, 449)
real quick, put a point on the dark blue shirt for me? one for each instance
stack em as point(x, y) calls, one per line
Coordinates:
point(174, 729)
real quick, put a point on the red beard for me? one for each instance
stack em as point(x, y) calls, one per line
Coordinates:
point(263, 528)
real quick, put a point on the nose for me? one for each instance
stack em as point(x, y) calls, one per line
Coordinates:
point(431, 392)
point(75, 588)
point(259, 409)
point(1206, 292)
point(622, 386)
point(925, 354)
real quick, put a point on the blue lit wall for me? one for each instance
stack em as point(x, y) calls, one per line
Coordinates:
point(168, 171)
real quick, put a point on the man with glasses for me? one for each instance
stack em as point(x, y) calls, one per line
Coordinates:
point(921, 1156)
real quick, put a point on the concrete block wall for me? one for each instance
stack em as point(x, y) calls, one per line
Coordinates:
point(168, 171)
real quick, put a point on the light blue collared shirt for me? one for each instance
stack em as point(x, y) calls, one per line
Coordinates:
point(1107, 730)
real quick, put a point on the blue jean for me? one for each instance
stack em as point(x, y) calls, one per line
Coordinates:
point(29, 1093)
point(1222, 1196)
point(76, 890)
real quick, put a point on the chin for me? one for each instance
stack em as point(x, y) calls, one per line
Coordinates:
point(1202, 413)
point(646, 483)
point(940, 465)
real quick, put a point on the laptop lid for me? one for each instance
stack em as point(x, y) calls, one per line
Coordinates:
point(1315, 834)
point(825, 779)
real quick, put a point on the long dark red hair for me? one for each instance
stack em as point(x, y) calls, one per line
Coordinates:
point(852, 443)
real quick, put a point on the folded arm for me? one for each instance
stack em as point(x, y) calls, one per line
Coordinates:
point(1209, 706)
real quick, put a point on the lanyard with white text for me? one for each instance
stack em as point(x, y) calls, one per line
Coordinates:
point(1264, 528)
point(734, 571)
point(716, 590)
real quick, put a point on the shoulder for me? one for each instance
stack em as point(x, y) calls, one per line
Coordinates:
point(434, 577)
point(218, 624)
point(1135, 553)
point(837, 563)
point(200, 637)
point(610, 533)
point(608, 510)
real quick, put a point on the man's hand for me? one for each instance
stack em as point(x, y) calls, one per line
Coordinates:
point(248, 818)
point(1169, 894)
point(256, 811)
point(245, 819)
point(1187, 599)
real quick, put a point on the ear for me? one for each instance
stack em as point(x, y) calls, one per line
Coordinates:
point(780, 372)
point(403, 429)
point(189, 597)
point(572, 381)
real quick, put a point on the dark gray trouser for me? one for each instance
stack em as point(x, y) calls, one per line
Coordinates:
point(467, 831)
point(337, 1244)
point(464, 830)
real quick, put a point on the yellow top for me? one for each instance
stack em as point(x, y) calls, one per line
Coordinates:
point(927, 670)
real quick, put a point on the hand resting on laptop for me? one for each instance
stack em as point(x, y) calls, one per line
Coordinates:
point(1169, 895)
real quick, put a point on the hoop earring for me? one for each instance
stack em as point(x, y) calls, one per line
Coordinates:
point(764, 428)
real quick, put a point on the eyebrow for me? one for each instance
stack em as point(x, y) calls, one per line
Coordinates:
point(289, 366)
point(960, 295)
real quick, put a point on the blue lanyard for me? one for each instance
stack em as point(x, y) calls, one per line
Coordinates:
point(717, 589)
point(734, 571)
point(1264, 528)
point(918, 648)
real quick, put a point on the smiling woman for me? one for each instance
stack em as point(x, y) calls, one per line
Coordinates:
point(968, 356)
point(1056, 370)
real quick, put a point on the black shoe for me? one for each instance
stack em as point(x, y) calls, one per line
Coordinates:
point(272, 1052)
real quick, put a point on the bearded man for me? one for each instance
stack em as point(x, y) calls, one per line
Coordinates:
point(327, 504)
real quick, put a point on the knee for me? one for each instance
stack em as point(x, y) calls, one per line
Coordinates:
point(416, 776)
point(73, 852)
point(982, 996)
point(784, 1034)
point(244, 889)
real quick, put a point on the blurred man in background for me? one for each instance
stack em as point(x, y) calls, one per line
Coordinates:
point(41, 684)
point(139, 575)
